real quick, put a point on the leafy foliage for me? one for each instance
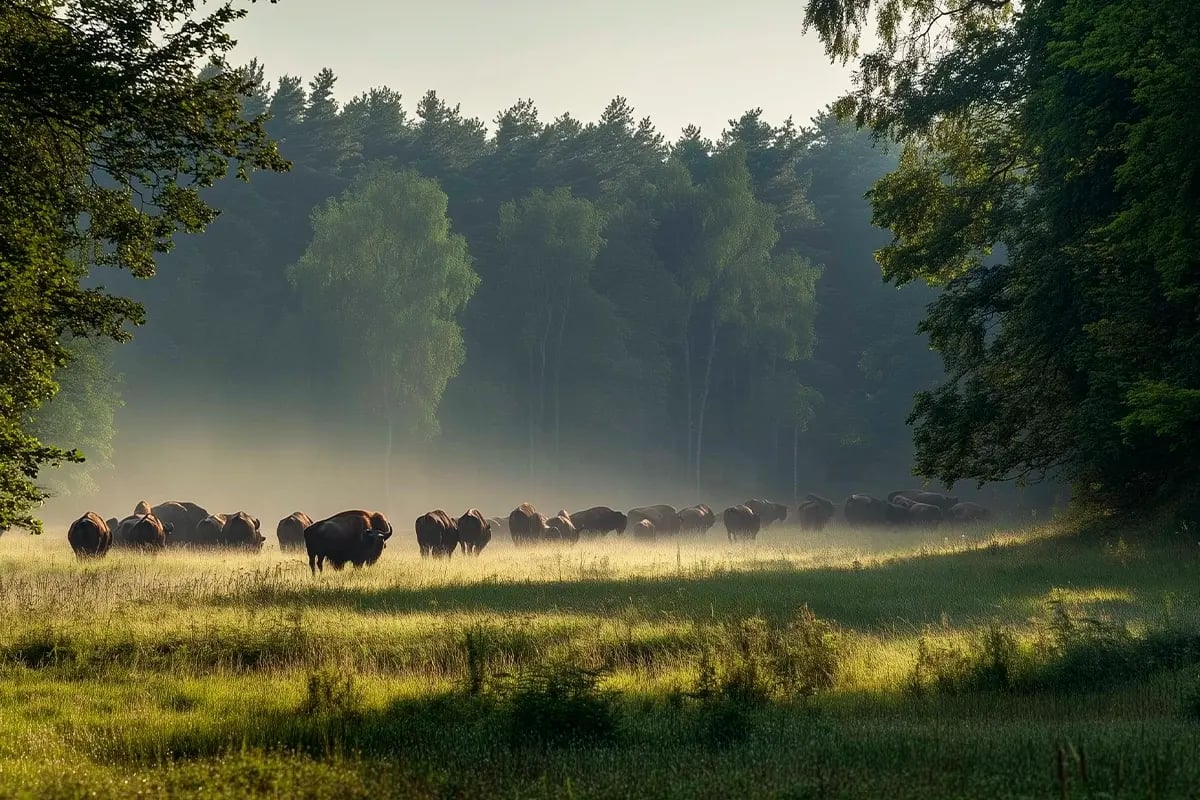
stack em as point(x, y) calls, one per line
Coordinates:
point(108, 131)
point(1040, 184)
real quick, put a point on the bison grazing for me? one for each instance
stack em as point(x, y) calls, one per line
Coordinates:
point(942, 501)
point(142, 532)
point(767, 511)
point(241, 530)
point(741, 522)
point(290, 530)
point(924, 514)
point(437, 534)
point(696, 519)
point(526, 525)
point(968, 512)
point(862, 509)
point(208, 532)
point(184, 518)
point(89, 536)
point(643, 530)
point(561, 528)
point(814, 512)
point(599, 520)
point(474, 532)
point(357, 537)
point(664, 518)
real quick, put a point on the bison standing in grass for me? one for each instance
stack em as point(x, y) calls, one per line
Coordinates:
point(290, 530)
point(599, 520)
point(696, 519)
point(437, 534)
point(142, 532)
point(89, 536)
point(814, 512)
point(664, 518)
point(356, 537)
point(767, 511)
point(741, 522)
point(526, 524)
point(474, 532)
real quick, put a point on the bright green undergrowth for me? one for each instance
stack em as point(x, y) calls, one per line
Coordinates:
point(1063, 659)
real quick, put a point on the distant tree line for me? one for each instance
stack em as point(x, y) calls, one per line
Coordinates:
point(566, 292)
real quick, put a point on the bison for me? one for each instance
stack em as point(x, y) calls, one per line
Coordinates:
point(664, 518)
point(357, 537)
point(561, 528)
point(599, 520)
point(814, 512)
point(968, 512)
point(474, 532)
point(184, 518)
point(767, 511)
point(696, 519)
point(89, 536)
point(862, 509)
point(643, 530)
point(942, 501)
point(208, 532)
point(741, 522)
point(437, 534)
point(290, 530)
point(242, 531)
point(142, 532)
point(526, 524)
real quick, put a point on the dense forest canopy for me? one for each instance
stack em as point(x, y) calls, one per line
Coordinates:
point(1050, 181)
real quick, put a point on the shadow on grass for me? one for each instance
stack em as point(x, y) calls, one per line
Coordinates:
point(1007, 583)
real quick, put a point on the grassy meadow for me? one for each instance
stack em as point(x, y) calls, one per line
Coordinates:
point(1053, 661)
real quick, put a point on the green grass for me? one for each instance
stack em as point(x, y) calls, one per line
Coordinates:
point(1048, 662)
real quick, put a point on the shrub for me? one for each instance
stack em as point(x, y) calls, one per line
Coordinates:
point(559, 703)
point(331, 694)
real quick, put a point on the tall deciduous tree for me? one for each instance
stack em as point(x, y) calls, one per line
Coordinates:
point(108, 130)
point(387, 276)
point(1056, 131)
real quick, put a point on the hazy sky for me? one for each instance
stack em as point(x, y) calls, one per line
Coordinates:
point(702, 61)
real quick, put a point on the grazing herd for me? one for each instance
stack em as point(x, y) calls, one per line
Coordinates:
point(359, 537)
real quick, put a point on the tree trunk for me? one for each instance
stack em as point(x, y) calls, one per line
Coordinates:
point(529, 391)
point(712, 349)
point(687, 382)
point(387, 461)
point(562, 327)
point(795, 464)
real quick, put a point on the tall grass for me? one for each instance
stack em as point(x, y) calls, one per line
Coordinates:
point(846, 664)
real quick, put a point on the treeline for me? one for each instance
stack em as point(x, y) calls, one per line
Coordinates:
point(559, 291)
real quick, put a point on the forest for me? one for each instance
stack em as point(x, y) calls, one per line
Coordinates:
point(559, 295)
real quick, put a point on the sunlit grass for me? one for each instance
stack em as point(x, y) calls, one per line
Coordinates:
point(184, 673)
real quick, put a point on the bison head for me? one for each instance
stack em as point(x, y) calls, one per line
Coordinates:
point(371, 544)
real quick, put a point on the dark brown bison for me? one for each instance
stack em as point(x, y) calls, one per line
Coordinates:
point(290, 530)
point(357, 537)
point(112, 523)
point(767, 511)
point(968, 512)
point(696, 519)
point(474, 532)
point(741, 522)
point(208, 532)
point(814, 512)
point(665, 518)
point(560, 528)
point(862, 509)
point(526, 524)
point(142, 532)
point(599, 520)
point(643, 530)
point(89, 536)
point(241, 531)
point(437, 534)
point(499, 525)
point(184, 518)
point(924, 514)
point(942, 501)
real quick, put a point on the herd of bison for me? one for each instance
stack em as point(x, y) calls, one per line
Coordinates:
point(359, 537)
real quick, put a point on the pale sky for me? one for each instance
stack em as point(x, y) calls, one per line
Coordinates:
point(677, 61)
